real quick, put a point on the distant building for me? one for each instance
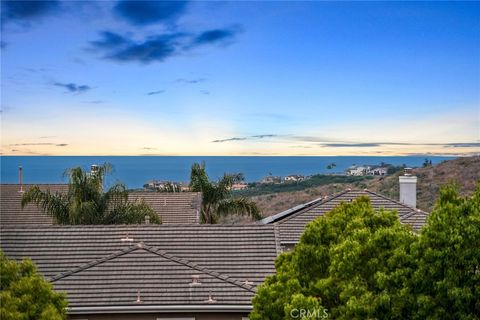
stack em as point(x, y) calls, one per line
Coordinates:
point(365, 170)
point(165, 186)
point(358, 170)
point(270, 179)
point(294, 178)
point(380, 171)
point(239, 186)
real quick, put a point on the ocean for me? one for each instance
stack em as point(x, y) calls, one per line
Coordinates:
point(135, 171)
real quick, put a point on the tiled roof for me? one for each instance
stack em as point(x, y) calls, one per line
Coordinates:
point(242, 252)
point(11, 212)
point(291, 223)
point(148, 276)
point(182, 207)
point(177, 208)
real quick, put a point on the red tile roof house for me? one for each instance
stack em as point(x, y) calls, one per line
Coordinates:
point(170, 271)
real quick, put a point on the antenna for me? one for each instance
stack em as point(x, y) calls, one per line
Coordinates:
point(248, 283)
point(210, 299)
point(139, 300)
point(195, 280)
point(126, 239)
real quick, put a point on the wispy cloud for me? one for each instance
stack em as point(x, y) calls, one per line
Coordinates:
point(151, 93)
point(94, 101)
point(38, 144)
point(156, 48)
point(142, 13)
point(190, 81)
point(254, 137)
point(149, 148)
point(351, 145)
point(206, 92)
point(229, 139)
point(464, 145)
point(73, 87)
point(25, 11)
point(338, 143)
point(223, 36)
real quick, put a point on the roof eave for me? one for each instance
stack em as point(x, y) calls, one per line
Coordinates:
point(159, 308)
point(290, 211)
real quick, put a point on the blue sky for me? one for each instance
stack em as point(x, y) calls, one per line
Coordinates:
point(240, 78)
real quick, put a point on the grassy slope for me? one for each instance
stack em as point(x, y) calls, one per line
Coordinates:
point(463, 171)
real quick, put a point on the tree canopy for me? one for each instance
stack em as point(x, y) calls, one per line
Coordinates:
point(217, 197)
point(87, 203)
point(348, 263)
point(26, 295)
point(446, 281)
point(356, 263)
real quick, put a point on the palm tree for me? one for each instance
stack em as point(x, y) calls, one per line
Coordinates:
point(217, 199)
point(87, 203)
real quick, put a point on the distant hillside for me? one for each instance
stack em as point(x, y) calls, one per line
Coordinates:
point(465, 172)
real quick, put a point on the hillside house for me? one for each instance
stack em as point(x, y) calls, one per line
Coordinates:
point(294, 178)
point(271, 179)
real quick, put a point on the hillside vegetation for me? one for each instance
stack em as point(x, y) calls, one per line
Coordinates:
point(465, 172)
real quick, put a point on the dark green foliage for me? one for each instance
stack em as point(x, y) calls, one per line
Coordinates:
point(361, 264)
point(447, 278)
point(216, 197)
point(427, 163)
point(26, 295)
point(350, 262)
point(87, 203)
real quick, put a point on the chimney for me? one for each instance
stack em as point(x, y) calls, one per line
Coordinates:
point(20, 178)
point(408, 188)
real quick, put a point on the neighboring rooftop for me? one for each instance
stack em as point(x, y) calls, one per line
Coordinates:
point(292, 222)
point(242, 252)
point(11, 212)
point(145, 275)
point(179, 208)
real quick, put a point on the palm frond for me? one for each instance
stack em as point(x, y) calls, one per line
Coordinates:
point(240, 206)
point(55, 205)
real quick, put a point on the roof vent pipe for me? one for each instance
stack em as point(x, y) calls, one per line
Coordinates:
point(408, 188)
point(20, 178)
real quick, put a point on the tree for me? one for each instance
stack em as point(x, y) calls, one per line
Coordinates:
point(216, 197)
point(87, 203)
point(26, 295)
point(447, 279)
point(352, 264)
point(427, 163)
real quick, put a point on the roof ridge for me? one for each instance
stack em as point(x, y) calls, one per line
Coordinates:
point(395, 201)
point(140, 225)
point(325, 200)
point(156, 251)
point(197, 267)
point(94, 262)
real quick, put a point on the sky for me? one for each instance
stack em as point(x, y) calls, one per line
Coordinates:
point(240, 78)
